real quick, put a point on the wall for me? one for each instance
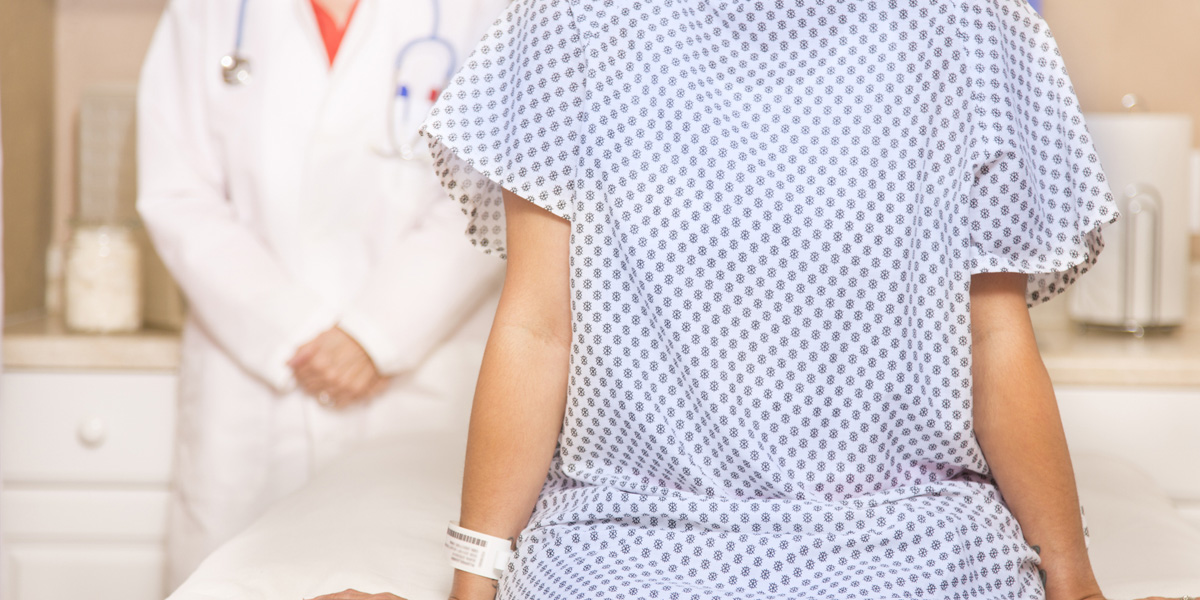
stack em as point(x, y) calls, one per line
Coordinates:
point(26, 98)
point(1147, 47)
point(1113, 47)
point(96, 41)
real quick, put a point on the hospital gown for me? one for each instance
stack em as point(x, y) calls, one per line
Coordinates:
point(776, 208)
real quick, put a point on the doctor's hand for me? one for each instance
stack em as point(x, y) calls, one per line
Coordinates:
point(334, 367)
point(357, 595)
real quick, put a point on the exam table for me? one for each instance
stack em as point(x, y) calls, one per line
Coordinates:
point(375, 520)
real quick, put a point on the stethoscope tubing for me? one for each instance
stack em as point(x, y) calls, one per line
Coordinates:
point(400, 91)
point(240, 34)
point(434, 37)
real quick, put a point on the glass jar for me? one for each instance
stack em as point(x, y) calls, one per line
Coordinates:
point(104, 279)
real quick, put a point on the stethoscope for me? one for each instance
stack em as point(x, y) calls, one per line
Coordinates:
point(235, 68)
point(236, 71)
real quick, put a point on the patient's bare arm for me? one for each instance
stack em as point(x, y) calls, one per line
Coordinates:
point(521, 393)
point(1018, 427)
point(522, 389)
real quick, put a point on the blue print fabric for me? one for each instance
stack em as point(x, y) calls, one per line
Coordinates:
point(776, 208)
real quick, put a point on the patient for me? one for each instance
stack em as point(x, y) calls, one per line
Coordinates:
point(764, 328)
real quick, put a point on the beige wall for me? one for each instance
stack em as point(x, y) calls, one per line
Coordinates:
point(96, 41)
point(26, 98)
point(1113, 47)
point(1146, 47)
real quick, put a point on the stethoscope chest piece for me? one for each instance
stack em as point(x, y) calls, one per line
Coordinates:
point(235, 70)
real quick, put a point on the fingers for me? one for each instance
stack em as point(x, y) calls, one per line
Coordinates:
point(336, 365)
point(304, 354)
point(309, 365)
point(343, 388)
point(354, 387)
point(357, 595)
point(379, 385)
point(344, 595)
point(314, 374)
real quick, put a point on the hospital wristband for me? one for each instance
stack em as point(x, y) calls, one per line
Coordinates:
point(477, 553)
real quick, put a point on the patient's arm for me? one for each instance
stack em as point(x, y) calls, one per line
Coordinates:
point(1018, 426)
point(521, 393)
point(522, 389)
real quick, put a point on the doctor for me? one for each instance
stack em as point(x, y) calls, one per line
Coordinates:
point(331, 296)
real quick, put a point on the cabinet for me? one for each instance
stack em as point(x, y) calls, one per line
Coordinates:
point(86, 460)
point(1152, 427)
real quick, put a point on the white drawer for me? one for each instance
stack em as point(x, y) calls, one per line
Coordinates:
point(95, 572)
point(79, 427)
point(84, 515)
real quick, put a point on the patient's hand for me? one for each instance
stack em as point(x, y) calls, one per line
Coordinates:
point(1149, 598)
point(334, 366)
point(1098, 597)
point(357, 595)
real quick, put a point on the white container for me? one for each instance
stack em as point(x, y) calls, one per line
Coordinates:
point(104, 280)
point(1141, 279)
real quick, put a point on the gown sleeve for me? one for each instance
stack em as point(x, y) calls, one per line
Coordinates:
point(513, 119)
point(1039, 195)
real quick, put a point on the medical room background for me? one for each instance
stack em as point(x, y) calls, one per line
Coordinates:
point(91, 318)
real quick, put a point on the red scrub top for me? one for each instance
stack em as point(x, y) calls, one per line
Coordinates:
point(331, 34)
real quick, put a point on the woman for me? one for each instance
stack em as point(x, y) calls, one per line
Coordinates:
point(326, 282)
point(765, 313)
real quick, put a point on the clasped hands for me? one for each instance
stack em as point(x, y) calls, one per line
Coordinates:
point(335, 369)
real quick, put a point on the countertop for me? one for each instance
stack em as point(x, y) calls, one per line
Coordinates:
point(1078, 356)
point(44, 343)
point(1074, 356)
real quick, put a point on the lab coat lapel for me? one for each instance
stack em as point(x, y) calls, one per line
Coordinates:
point(289, 86)
point(359, 28)
point(345, 178)
point(332, 135)
point(355, 74)
point(281, 111)
point(330, 202)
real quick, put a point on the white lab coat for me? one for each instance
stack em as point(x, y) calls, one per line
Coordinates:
point(272, 209)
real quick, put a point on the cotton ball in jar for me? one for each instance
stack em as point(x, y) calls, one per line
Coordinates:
point(104, 280)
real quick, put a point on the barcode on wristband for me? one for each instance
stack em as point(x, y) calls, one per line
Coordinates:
point(466, 538)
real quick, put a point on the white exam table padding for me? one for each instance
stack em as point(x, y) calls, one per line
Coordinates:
point(1140, 545)
point(375, 521)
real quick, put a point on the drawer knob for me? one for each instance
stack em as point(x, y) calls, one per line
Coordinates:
point(93, 432)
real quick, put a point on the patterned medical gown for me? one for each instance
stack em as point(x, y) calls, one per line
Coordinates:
point(776, 208)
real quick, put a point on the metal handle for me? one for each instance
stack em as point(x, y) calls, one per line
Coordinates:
point(1140, 202)
point(1131, 102)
